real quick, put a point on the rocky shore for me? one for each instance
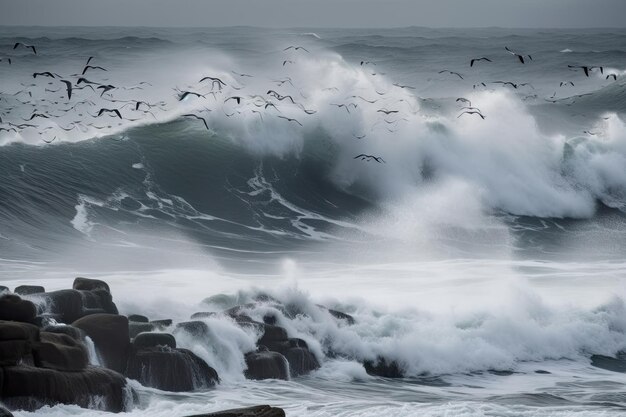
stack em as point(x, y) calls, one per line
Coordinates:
point(72, 346)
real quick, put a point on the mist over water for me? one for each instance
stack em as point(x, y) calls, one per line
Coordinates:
point(480, 252)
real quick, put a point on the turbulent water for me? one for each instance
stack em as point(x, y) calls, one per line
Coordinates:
point(476, 253)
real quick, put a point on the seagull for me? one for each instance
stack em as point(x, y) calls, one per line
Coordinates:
point(236, 98)
point(520, 57)
point(105, 88)
point(587, 69)
point(562, 83)
point(478, 59)
point(341, 105)
point(214, 80)
point(387, 112)
point(85, 80)
point(464, 100)
point(290, 120)
point(88, 67)
point(367, 63)
point(197, 117)
point(471, 112)
point(287, 62)
point(612, 75)
point(365, 157)
point(184, 94)
point(505, 83)
point(451, 73)
point(115, 111)
point(88, 60)
point(478, 85)
point(296, 48)
point(49, 141)
point(43, 74)
point(405, 86)
point(7, 59)
point(68, 88)
point(241, 75)
point(37, 115)
point(25, 46)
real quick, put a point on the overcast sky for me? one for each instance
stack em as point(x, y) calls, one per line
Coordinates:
point(316, 13)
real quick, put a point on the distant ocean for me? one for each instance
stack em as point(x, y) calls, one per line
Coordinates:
point(485, 252)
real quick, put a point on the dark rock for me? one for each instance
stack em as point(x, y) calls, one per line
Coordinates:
point(383, 367)
point(202, 315)
point(13, 352)
point(4, 289)
point(13, 308)
point(195, 328)
point(266, 365)
point(98, 301)
point(109, 333)
point(342, 316)
point(270, 319)
point(170, 369)
point(47, 319)
point(29, 289)
point(256, 411)
point(65, 304)
point(32, 388)
point(296, 351)
point(4, 412)
point(88, 284)
point(12, 330)
point(74, 332)
point(162, 324)
point(138, 318)
point(610, 364)
point(135, 328)
point(150, 340)
point(272, 334)
point(61, 352)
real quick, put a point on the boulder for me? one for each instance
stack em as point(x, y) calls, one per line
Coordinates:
point(617, 364)
point(29, 289)
point(383, 367)
point(13, 352)
point(272, 334)
point(342, 316)
point(98, 301)
point(61, 352)
point(135, 328)
point(266, 365)
point(170, 369)
point(296, 351)
point(13, 308)
point(256, 411)
point(138, 318)
point(4, 412)
point(110, 336)
point(202, 315)
point(73, 332)
point(67, 305)
point(4, 289)
point(150, 340)
point(12, 330)
point(194, 328)
point(32, 388)
point(88, 284)
point(162, 324)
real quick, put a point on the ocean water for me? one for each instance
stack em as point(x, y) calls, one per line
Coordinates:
point(476, 253)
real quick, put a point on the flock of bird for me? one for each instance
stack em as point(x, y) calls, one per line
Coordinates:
point(90, 101)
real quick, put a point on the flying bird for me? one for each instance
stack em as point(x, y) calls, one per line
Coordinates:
point(451, 73)
point(478, 59)
point(612, 75)
point(68, 88)
point(365, 157)
point(25, 46)
point(91, 67)
point(471, 112)
point(43, 74)
point(114, 111)
point(199, 118)
point(519, 56)
point(297, 48)
point(290, 120)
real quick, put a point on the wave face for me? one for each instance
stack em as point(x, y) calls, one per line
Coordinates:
point(473, 247)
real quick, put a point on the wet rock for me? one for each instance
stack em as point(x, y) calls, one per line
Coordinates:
point(67, 305)
point(617, 364)
point(170, 369)
point(256, 411)
point(272, 334)
point(110, 336)
point(342, 316)
point(383, 367)
point(73, 332)
point(4, 412)
point(61, 352)
point(202, 315)
point(88, 284)
point(31, 388)
point(4, 289)
point(194, 328)
point(29, 289)
point(150, 340)
point(138, 318)
point(16, 342)
point(98, 301)
point(296, 351)
point(162, 324)
point(135, 328)
point(13, 308)
point(266, 365)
